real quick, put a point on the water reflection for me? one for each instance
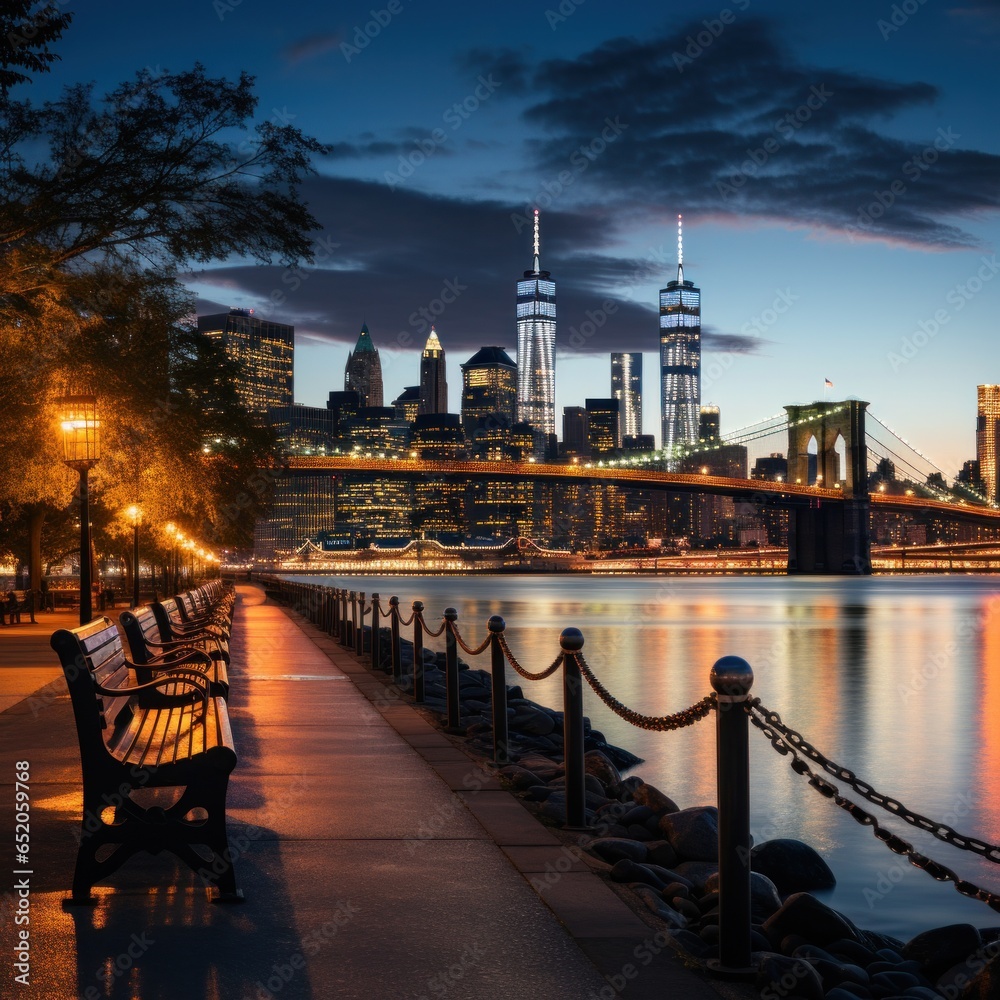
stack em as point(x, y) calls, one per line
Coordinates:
point(897, 679)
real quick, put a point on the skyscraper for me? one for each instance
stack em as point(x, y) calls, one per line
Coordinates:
point(363, 371)
point(489, 390)
point(604, 431)
point(626, 386)
point(433, 378)
point(536, 348)
point(988, 437)
point(263, 352)
point(680, 356)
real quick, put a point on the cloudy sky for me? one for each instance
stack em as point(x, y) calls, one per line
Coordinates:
point(837, 166)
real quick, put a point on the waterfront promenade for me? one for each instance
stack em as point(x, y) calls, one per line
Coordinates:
point(377, 858)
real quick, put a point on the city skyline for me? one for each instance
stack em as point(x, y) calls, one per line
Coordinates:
point(837, 170)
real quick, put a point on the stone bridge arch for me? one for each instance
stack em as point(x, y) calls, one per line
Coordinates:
point(826, 421)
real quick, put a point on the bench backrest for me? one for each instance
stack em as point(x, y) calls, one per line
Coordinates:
point(165, 611)
point(140, 626)
point(88, 654)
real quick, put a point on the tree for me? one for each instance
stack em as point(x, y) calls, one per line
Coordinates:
point(162, 172)
point(28, 29)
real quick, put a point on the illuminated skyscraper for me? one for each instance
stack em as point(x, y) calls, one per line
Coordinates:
point(680, 357)
point(626, 386)
point(489, 391)
point(433, 379)
point(988, 437)
point(263, 352)
point(536, 348)
point(363, 371)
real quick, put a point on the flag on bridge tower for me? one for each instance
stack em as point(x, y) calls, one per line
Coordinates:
point(827, 383)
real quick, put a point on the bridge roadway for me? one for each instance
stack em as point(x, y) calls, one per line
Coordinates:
point(758, 490)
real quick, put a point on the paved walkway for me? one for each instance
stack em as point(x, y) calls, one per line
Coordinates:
point(378, 859)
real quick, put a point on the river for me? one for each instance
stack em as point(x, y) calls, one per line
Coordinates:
point(896, 678)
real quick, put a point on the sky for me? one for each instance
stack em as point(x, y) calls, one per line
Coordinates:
point(837, 167)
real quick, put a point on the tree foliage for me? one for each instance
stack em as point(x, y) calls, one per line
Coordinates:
point(28, 30)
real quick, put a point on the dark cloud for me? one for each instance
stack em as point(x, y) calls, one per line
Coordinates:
point(731, 343)
point(309, 47)
point(509, 67)
point(401, 259)
point(735, 125)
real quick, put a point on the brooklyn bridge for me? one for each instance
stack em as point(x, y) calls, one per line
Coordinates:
point(827, 496)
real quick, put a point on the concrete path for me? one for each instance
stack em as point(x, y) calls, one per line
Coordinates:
point(378, 859)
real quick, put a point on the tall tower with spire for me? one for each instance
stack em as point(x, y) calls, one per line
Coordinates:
point(433, 380)
point(536, 348)
point(363, 371)
point(680, 356)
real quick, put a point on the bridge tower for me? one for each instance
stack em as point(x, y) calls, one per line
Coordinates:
point(830, 536)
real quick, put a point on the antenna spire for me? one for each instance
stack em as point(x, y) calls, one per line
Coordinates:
point(536, 240)
point(680, 248)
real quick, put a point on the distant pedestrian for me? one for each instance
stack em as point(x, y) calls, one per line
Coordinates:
point(13, 609)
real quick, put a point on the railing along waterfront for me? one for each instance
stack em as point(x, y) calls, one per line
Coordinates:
point(341, 614)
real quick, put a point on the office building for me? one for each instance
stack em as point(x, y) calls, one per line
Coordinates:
point(363, 371)
point(574, 440)
point(433, 378)
point(536, 349)
point(626, 386)
point(680, 357)
point(304, 430)
point(489, 391)
point(262, 353)
point(603, 427)
point(709, 423)
point(407, 403)
point(987, 437)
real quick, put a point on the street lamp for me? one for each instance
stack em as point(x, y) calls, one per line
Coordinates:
point(81, 433)
point(135, 516)
point(171, 530)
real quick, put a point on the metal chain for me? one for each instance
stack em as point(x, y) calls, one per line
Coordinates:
point(657, 723)
point(428, 630)
point(405, 621)
point(461, 641)
point(941, 831)
point(895, 843)
point(526, 674)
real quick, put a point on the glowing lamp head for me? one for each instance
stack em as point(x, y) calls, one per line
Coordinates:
point(134, 515)
point(81, 431)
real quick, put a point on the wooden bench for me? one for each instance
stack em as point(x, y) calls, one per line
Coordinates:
point(152, 654)
point(134, 740)
point(173, 629)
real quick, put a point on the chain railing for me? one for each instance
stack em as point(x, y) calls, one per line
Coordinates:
point(341, 613)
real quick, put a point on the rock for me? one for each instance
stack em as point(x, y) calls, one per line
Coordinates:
point(630, 871)
point(519, 777)
point(977, 977)
point(650, 795)
point(692, 944)
point(600, 766)
point(804, 914)
point(852, 951)
point(593, 785)
point(629, 785)
point(533, 721)
point(693, 833)
point(764, 898)
point(896, 982)
point(662, 853)
point(637, 814)
point(686, 908)
point(539, 793)
point(637, 832)
point(697, 873)
point(939, 949)
point(792, 866)
point(666, 913)
point(675, 889)
point(789, 978)
point(613, 849)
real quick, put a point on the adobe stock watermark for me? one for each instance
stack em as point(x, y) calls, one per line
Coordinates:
point(579, 160)
point(899, 14)
point(365, 34)
point(785, 127)
point(714, 26)
point(454, 116)
point(566, 9)
point(912, 169)
point(927, 329)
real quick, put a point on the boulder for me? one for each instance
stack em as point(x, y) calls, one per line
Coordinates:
point(600, 766)
point(939, 949)
point(662, 853)
point(804, 915)
point(612, 849)
point(764, 899)
point(696, 873)
point(693, 833)
point(789, 978)
point(519, 778)
point(792, 866)
point(630, 871)
point(649, 795)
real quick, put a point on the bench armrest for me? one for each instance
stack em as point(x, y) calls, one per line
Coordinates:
point(192, 678)
point(174, 657)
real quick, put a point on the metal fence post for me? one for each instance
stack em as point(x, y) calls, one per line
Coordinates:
point(359, 635)
point(451, 670)
point(375, 628)
point(397, 666)
point(342, 613)
point(496, 625)
point(352, 623)
point(571, 642)
point(418, 651)
point(732, 678)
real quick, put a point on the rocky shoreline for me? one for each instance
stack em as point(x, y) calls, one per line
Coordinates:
point(667, 856)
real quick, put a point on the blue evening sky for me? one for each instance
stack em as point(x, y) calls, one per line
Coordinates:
point(777, 128)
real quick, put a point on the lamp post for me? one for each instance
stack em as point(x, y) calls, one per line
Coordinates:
point(135, 516)
point(81, 451)
point(171, 530)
